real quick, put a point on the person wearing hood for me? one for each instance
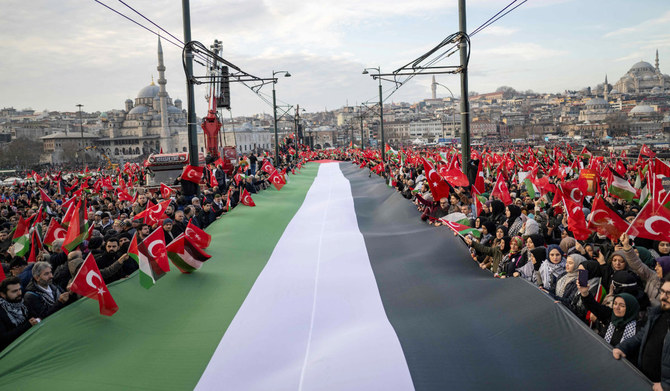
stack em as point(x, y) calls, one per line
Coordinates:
point(514, 221)
point(552, 268)
point(652, 278)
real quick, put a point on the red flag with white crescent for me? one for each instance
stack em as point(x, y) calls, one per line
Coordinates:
point(653, 222)
point(501, 191)
point(605, 221)
point(88, 282)
point(245, 199)
point(192, 173)
point(54, 231)
point(154, 247)
point(197, 236)
point(277, 180)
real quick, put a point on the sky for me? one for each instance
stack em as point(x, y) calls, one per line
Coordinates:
point(57, 54)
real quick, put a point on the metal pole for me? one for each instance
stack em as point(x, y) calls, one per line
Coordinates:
point(192, 126)
point(381, 116)
point(81, 127)
point(274, 110)
point(297, 121)
point(465, 104)
point(361, 118)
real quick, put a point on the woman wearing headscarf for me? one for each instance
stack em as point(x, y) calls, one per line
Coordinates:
point(619, 321)
point(552, 268)
point(498, 212)
point(645, 256)
point(495, 253)
point(514, 221)
point(488, 232)
point(661, 249)
point(653, 279)
point(512, 260)
point(566, 286)
point(530, 271)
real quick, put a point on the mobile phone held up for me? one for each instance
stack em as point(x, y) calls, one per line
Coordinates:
point(583, 278)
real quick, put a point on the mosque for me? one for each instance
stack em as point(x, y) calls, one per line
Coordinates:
point(643, 78)
point(150, 124)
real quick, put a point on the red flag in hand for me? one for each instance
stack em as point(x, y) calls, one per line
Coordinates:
point(197, 236)
point(268, 167)
point(88, 282)
point(653, 222)
point(154, 248)
point(153, 214)
point(166, 191)
point(277, 180)
point(438, 187)
point(192, 173)
point(501, 191)
point(605, 221)
point(44, 196)
point(245, 199)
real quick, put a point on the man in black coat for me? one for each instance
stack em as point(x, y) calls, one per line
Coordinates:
point(651, 343)
point(14, 319)
point(42, 297)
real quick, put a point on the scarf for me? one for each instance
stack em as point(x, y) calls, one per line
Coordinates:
point(46, 296)
point(16, 312)
point(549, 271)
point(628, 332)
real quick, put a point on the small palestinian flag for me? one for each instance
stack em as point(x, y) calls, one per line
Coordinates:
point(461, 229)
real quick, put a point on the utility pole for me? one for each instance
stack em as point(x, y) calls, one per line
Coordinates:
point(360, 116)
point(465, 102)
point(192, 126)
point(81, 127)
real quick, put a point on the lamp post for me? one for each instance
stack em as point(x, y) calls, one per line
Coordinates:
point(274, 110)
point(298, 133)
point(381, 107)
point(81, 128)
point(453, 104)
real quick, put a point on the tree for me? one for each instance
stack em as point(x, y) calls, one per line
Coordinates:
point(508, 92)
point(21, 153)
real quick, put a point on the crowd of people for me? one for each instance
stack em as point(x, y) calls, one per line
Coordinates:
point(32, 291)
point(619, 285)
point(624, 292)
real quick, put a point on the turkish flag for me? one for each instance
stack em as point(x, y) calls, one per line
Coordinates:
point(88, 282)
point(576, 221)
point(124, 196)
point(268, 167)
point(54, 231)
point(212, 180)
point(166, 191)
point(245, 199)
point(575, 190)
point(153, 214)
point(605, 221)
point(153, 247)
point(454, 176)
point(653, 222)
point(192, 174)
point(479, 182)
point(438, 187)
point(501, 191)
point(277, 180)
point(197, 236)
point(646, 151)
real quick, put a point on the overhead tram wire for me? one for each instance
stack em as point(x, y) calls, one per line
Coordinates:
point(500, 14)
point(179, 45)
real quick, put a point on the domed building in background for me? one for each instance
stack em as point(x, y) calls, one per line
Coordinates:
point(643, 78)
point(151, 123)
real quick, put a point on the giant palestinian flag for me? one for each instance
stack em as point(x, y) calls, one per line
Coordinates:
point(334, 283)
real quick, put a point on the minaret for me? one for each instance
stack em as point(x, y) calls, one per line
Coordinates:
point(165, 139)
point(656, 63)
point(433, 88)
point(605, 89)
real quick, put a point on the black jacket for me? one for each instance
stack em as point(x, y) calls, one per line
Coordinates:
point(637, 343)
point(9, 332)
point(38, 307)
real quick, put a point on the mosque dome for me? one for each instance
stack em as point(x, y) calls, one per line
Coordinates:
point(642, 110)
point(642, 66)
point(149, 91)
point(596, 102)
point(141, 109)
point(173, 109)
point(656, 90)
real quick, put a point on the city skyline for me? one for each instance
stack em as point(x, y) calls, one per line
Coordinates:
point(65, 53)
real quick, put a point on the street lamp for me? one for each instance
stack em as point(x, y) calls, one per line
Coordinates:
point(81, 127)
point(274, 110)
point(298, 133)
point(453, 113)
point(381, 106)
